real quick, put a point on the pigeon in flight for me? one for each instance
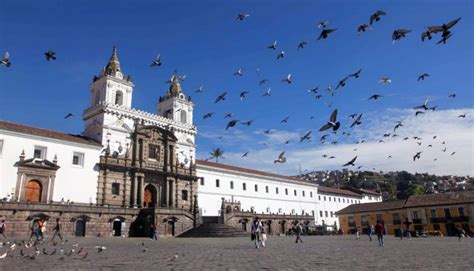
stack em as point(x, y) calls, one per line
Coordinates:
point(356, 74)
point(453, 95)
point(453, 153)
point(285, 120)
point(422, 77)
point(69, 115)
point(399, 33)
point(423, 106)
point(301, 45)
point(417, 156)
point(273, 45)
point(238, 72)
point(248, 123)
point(267, 132)
point(242, 16)
point(314, 90)
point(208, 115)
point(385, 80)
point(221, 97)
point(332, 123)
point(398, 125)
point(306, 136)
point(342, 82)
point(324, 34)
point(281, 55)
point(50, 55)
point(244, 155)
point(288, 79)
point(6, 60)
point(263, 81)
point(243, 94)
point(199, 90)
point(229, 115)
point(281, 158)
point(443, 40)
point(352, 116)
point(462, 115)
point(375, 97)
point(351, 163)
point(268, 92)
point(323, 24)
point(156, 62)
point(231, 123)
point(363, 28)
point(418, 113)
point(357, 121)
point(444, 28)
point(376, 16)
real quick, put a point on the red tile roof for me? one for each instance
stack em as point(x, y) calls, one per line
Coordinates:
point(372, 207)
point(441, 199)
point(362, 191)
point(250, 171)
point(5, 125)
point(333, 190)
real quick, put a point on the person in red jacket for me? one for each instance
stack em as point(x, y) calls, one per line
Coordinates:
point(379, 231)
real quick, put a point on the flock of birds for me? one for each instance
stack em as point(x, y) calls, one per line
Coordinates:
point(332, 124)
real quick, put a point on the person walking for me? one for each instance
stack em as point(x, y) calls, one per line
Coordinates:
point(460, 233)
point(3, 228)
point(299, 232)
point(370, 231)
point(402, 232)
point(57, 231)
point(153, 232)
point(35, 230)
point(379, 231)
point(40, 229)
point(256, 228)
point(358, 233)
point(263, 233)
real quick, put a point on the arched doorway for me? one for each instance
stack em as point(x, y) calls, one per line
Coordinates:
point(33, 191)
point(117, 227)
point(80, 228)
point(282, 227)
point(149, 196)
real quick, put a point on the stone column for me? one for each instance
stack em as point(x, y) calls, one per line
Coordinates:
point(140, 191)
point(135, 192)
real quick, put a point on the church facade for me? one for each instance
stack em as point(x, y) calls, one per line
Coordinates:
point(130, 169)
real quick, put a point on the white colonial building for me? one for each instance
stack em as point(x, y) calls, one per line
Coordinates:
point(40, 165)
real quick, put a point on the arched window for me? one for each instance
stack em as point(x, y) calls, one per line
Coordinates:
point(183, 116)
point(119, 98)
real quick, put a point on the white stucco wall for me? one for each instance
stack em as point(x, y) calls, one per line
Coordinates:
point(210, 196)
point(76, 183)
point(329, 202)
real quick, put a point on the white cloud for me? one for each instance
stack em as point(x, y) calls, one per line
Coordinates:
point(458, 134)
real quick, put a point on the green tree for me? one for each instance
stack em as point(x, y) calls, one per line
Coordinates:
point(415, 189)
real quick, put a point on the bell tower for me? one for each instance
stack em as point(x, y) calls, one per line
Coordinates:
point(175, 105)
point(110, 89)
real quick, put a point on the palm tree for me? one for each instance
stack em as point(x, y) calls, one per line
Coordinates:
point(216, 153)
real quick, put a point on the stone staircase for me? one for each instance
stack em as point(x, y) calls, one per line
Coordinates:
point(214, 230)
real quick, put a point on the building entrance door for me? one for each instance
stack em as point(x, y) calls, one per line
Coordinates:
point(80, 228)
point(117, 227)
point(33, 191)
point(149, 196)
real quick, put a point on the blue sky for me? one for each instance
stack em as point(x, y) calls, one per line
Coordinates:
point(204, 41)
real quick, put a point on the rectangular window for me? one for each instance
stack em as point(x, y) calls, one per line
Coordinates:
point(447, 213)
point(339, 199)
point(202, 181)
point(415, 214)
point(1, 147)
point(334, 199)
point(433, 213)
point(379, 217)
point(256, 188)
point(321, 213)
point(115, 189)
point(329, 198)
point(244, 186)
point(343, 200)
point(332, 213)
point(184, 195)
point(461, 211)
point(286, 191)
point(276, 190)
point(266, 189)
point(294, 192)
point(40, 152)
point(324, 198)
point(153, 152)
point(217, 183)
point(319, 198)
point(231, 185)
point(326, 213)
point(311, 194)
point(302, 193)
point(78, 159)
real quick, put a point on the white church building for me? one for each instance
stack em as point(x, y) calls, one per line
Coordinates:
point(62, 161)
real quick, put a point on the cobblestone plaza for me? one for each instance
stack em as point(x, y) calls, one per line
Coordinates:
point(316, 253)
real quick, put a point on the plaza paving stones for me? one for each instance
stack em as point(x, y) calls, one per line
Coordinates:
point(281, 253)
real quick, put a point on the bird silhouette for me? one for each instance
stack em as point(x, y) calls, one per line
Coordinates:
point(351, 162)
point(50, 55)
point(376, 16)
point(324, 34)
point(281, 158)
point(156, 62)
point(6, 60)
point(332, 123)
point(221, 97)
